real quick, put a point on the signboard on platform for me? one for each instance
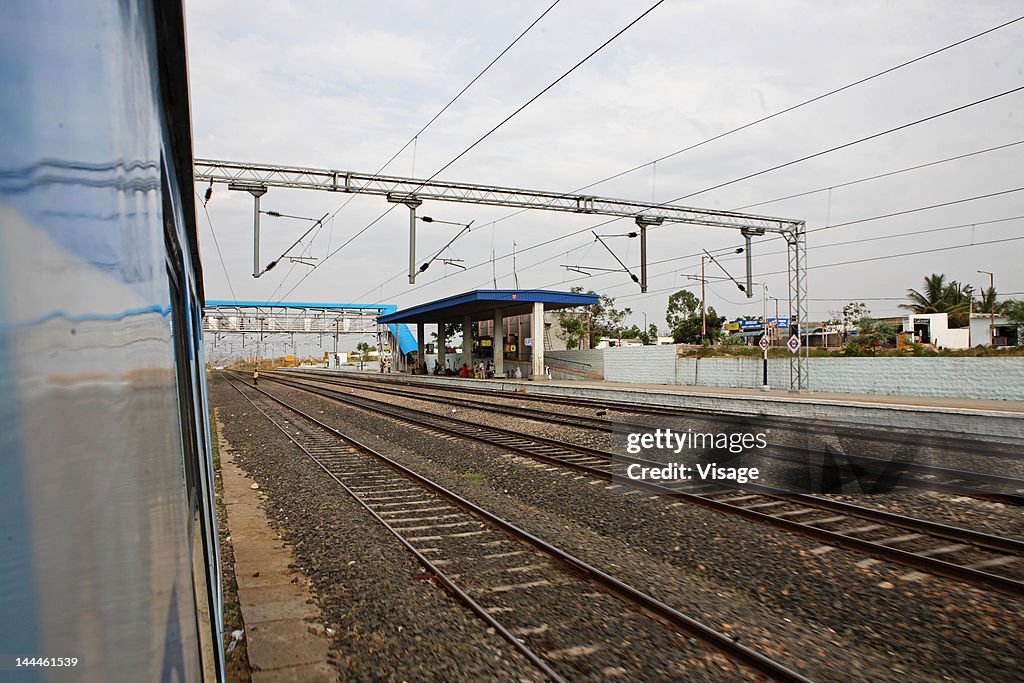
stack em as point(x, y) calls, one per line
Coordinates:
point(779, 323)
point(794, 343)
point(764, 342)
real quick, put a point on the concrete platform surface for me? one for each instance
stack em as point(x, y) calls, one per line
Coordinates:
point(279, 616)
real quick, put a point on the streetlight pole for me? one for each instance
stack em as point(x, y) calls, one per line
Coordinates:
point(991, 308)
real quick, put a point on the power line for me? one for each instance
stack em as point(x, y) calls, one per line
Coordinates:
point(844, 243)
point(863, 260)
point(434, 118)
point(848, 223)
point(757, 121)
point(847, 144)
point(880, 175)
point(468, 86)
point(216, 243)
point(805, 103)
point(767, 170)
point(485, 136)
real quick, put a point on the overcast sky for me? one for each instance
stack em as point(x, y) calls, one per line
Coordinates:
point(344, 85)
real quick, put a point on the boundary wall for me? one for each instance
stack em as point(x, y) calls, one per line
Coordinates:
point(982, 378)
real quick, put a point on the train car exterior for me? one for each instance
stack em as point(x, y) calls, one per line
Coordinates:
point(109, 569)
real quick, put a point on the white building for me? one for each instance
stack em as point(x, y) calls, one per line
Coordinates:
point(1005, 333)
point(933, 328)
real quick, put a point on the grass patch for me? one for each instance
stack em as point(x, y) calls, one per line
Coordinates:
point(475, 477)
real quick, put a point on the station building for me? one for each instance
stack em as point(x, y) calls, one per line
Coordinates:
point(510, 327)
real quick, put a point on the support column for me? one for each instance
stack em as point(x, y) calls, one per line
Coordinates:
point(467, 341)
point(421, 348)
point(537, 339)
point(498, 343)
point(440, 346)
point(256, 193)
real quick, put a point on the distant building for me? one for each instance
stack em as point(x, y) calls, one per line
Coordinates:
point(933, 328)
point(983, 330)
point(982, 334)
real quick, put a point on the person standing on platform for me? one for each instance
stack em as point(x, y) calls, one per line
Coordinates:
point(489, 372)
point(464, 371)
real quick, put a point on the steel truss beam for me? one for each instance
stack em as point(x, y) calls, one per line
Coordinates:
point(400, 188)
point(279, 319)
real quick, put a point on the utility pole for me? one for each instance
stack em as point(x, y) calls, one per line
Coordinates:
point(991, 308)
point(764, 333)
point(703, 308)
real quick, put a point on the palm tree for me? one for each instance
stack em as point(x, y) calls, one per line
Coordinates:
point(987, 303)
point(940, 296)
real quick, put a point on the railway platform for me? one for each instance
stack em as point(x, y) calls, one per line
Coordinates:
point(284, 637)
point(983, 418)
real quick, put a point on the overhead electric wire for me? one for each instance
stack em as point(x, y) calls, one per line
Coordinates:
point(216, 243)
point(726, 250)
point(753, 123)
point(762, 172)
point(868, 259)
point(880, 175)
point(838, 244)
point(485, 136)
point(468, 86)
point(427, 125)
point(967, 199)
point(806, 102)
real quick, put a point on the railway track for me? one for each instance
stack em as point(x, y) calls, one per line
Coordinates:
point(992, 487)
point(1010, 447)
point(569, 619)
point(980, 559)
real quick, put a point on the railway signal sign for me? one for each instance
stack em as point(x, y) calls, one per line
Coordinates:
point(794, 343)
point(764, 342)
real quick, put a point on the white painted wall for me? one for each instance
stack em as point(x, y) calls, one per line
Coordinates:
point(994, 378)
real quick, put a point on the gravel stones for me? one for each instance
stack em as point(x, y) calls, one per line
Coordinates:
point(782, 594)
point(390, 623)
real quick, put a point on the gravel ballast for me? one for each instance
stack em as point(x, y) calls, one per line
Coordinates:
point(388, 619)
point(814, 609)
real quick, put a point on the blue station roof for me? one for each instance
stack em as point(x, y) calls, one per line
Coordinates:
point(481, 304)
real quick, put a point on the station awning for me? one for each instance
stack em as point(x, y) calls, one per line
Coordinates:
point(481, 304)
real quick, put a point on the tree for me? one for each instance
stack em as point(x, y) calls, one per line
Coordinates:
point(681, 305)
point(363, 348)
point(599, 320)
point(988, 303)
point(874, 335)
point(940, 296)
point(850, 316)
point(606, 320)
point(1014, 310)
point(684, 319)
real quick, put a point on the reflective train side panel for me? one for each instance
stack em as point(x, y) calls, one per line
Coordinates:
point(109, 547)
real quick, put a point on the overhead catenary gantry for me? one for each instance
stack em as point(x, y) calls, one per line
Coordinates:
point(413, 192)
point(261, 319)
